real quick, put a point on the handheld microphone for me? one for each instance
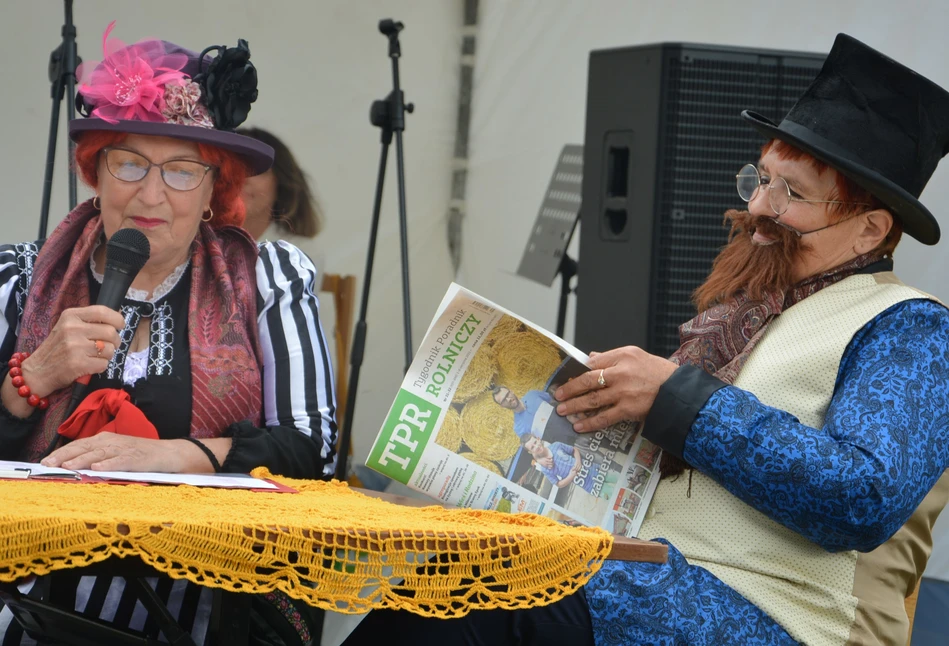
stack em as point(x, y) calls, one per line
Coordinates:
point(125, 255)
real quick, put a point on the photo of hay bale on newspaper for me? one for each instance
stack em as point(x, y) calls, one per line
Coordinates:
point(475, 424)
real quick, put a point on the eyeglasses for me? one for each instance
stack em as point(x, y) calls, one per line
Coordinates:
point(179, 174)
point(780, 195)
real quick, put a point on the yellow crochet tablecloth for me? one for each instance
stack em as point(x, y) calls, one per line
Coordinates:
point(327, 545)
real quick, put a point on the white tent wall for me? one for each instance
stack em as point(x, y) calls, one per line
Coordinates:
point(320, 66)
point(530, 96)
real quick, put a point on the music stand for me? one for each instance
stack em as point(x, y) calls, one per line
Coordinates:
point(545, 255)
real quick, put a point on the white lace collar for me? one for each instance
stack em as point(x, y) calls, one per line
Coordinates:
point(141, 295)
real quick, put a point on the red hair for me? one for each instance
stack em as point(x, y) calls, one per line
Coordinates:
point(229, 177)
point(845, 190)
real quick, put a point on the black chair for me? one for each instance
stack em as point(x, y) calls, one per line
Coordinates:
point(47, 613)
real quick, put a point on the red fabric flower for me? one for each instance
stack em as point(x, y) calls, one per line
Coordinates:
point(107, 411)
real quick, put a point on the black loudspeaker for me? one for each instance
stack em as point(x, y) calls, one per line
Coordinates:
point(664, 140)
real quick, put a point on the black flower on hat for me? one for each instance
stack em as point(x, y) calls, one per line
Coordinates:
point(229, 84)
point(83, 107)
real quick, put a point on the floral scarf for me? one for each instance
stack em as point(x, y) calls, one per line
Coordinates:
point(223, 341)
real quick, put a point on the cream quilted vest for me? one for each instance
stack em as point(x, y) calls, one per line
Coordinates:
point(818, 597)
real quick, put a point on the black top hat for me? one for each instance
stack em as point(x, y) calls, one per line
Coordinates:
point(878, 122)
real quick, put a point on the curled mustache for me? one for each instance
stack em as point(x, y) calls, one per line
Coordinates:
point(750, 267)
point(745, 222)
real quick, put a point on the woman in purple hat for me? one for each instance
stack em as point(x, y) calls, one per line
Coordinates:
point(216, 360)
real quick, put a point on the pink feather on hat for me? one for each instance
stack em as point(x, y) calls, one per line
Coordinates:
point(129, 83)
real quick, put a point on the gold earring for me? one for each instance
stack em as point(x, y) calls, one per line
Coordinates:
point(208, 219)
point(96, 202)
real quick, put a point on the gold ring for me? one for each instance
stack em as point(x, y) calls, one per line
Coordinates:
point(100, 346)
point(600, 380)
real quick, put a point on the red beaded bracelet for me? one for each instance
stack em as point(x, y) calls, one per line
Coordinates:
point(22, 389)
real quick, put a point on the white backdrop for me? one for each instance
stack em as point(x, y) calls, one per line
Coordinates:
point(530, 93)
point(322, 63)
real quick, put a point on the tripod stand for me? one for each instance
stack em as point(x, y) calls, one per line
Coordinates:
point(389, 115)
point(62, 74)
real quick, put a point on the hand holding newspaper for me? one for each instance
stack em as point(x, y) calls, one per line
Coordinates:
point(475, 425)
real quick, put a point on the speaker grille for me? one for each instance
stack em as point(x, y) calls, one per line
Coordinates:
point(704, 143)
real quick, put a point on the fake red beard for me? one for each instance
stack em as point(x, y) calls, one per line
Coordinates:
point(748, 266)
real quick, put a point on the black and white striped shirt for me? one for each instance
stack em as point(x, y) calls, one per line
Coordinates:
point(298, 386)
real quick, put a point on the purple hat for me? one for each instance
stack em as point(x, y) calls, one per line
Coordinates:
point(157, 88)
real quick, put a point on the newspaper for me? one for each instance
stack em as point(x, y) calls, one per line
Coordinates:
point(475, 425)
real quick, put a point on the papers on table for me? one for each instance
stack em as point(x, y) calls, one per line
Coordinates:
point(31, 470)
point(229, 480)
point(35, 471)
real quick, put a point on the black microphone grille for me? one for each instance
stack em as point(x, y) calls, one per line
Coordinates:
point(128, 249)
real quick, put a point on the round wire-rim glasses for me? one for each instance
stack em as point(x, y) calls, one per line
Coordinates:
point(780, 195)
point(178, 174)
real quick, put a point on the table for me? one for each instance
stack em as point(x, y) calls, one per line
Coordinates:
point(622, 549)
point(328, 545)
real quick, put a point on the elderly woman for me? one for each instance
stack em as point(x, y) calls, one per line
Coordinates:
point(805, 417)
point(218, 341)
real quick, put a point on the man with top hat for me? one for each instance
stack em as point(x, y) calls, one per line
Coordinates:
point(805, 417)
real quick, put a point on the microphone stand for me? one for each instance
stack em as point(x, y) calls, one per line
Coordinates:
point(389, 115)
point(62, 75)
